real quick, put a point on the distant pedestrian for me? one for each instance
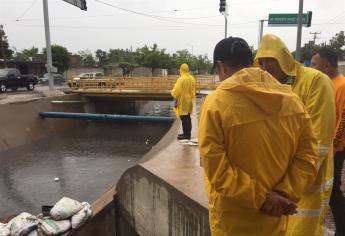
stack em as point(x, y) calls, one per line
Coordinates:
point(326, 60)
point(184, 95)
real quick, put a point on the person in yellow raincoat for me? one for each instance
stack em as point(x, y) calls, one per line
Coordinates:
point(257, 147)
point(184, 95)
point(317, 93)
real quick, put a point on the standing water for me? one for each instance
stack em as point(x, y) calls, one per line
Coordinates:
point(87, 161)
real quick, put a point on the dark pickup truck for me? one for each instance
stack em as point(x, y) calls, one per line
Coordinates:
point(11, 78)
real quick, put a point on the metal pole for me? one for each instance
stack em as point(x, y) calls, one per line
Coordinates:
point(299, 31)
point(48, 46)
point(226, 25)
point(261, 31)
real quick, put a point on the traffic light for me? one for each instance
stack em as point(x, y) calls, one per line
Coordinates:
point(222, 6)
point(83, 5)
point(310, 14)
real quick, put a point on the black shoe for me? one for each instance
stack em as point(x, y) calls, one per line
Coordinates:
point(183, 137)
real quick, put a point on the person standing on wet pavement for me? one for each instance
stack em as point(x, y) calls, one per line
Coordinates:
point(316, 91)
point(184, 95)
point(257, 147)
point(326, 61)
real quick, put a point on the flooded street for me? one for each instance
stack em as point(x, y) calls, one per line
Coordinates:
point(87, 160)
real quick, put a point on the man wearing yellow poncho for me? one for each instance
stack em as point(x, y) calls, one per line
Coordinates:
point(184, 95)
point(316, 92)
point(257, 147)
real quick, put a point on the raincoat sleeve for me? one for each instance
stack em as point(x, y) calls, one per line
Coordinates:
point(234, 185)
point(339, 141)
point(176, 92)
point(320, 104)
point(302, 170)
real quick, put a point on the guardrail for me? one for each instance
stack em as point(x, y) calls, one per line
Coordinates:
point(138, 83)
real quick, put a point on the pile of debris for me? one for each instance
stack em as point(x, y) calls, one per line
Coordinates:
point(63, 218)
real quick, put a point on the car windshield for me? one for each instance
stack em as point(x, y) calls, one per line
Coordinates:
point(3, 72)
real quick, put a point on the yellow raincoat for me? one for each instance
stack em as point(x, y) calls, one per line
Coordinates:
point(184, 92)
point(254, 136)
point(316, 92)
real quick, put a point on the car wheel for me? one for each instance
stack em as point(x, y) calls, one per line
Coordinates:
point(30, 86)
point(3, 88)
point(14, 89)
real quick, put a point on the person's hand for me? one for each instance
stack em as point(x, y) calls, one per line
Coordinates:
point(277, 205)
point(175, 103)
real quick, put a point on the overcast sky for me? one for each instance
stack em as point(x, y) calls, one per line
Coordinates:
point(174, 24)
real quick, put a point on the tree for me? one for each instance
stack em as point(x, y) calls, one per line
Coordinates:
point(308, 50)
point(87, 59)
point(152, 57)
point(338, 43)
point(31, 54)
point(5, 52)
point(101, 57)
point(61, 57)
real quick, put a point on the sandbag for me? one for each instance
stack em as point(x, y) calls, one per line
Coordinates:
point(52, 227)
point(65, 208)
point(82, 216)
point(4, 231)
point(22, 224)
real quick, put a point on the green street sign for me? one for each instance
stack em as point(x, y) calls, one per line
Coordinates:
point(289, 19)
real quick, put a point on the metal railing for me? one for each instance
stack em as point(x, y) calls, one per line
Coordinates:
point(138, 83)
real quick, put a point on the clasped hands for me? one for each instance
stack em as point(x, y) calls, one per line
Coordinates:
point(277, 205)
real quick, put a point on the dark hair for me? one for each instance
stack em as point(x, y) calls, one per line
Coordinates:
point(329, 54)
point(234, 52)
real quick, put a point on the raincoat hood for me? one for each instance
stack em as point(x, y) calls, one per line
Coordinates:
point(184, 69)
point(263, 90)
point(273, 47)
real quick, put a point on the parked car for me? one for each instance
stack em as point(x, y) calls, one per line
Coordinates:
point(58, 79)
point(11, 78)
point(88, 75)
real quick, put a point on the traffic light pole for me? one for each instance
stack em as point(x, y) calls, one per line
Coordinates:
point(226, 25)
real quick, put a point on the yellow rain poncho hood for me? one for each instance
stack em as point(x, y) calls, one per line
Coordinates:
point(316, 91)
point(273, 47)
point(184, 92)
point(250, 137)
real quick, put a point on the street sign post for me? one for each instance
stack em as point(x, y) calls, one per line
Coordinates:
point(289, 19)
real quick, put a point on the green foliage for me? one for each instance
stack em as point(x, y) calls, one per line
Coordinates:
point(61, 57)
point(337, 43)
point(101, 57)
point(87, 59)
point(4, 43)
point(31, 54)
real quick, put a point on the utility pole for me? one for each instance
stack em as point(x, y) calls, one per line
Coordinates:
point(315, 35)
point(223, 9)
point(299, 31)
point(2, 39)
point(48, 46)
point(261, 30)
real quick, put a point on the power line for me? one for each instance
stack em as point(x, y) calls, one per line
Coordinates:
point(27, 10)
point(160, 18)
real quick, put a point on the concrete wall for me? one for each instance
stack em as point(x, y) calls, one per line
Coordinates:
point(142, 71)
point(165, 194)
point(20, 123)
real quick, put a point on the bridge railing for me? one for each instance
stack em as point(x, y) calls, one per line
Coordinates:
point(139, 83)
